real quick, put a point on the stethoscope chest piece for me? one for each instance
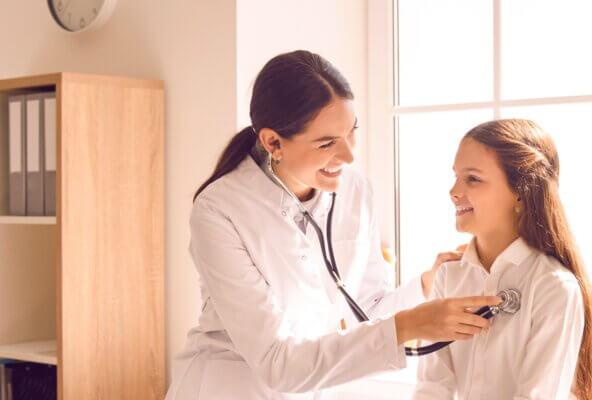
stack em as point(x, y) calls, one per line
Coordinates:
point(510, 302)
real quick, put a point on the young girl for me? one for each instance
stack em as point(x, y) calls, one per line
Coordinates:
point(506, 195)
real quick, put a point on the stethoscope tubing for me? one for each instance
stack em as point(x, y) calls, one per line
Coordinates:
point(485, 312)
point(331, 265)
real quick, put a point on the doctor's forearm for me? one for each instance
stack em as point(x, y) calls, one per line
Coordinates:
point(298, 366)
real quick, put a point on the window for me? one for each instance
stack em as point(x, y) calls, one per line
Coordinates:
point(454, 64)
point(439, 67)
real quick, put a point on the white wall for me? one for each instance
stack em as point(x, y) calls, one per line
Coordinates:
point(191, 45)
point(335, 29)
point(208, 53)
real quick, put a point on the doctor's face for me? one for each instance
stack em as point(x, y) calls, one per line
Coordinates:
point(485, 204)
point(314, 158)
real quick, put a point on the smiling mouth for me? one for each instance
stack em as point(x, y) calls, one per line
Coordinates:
point(463, 210)
point(331, 172)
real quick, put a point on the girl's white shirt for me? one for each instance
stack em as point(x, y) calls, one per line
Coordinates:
point(270, 323)
point(529, 355)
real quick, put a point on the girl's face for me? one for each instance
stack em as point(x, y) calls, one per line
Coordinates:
point(314, 158)
point(485, 204)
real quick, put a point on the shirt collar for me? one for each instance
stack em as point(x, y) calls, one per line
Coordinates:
point(513, 255)
point(470, 256)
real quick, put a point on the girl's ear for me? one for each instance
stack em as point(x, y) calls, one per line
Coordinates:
point(518, 205)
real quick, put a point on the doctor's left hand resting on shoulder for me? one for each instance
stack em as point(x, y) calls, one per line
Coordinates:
point(275, 323)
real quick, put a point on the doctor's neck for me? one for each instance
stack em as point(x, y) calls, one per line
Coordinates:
point(301, 190)
point(490, 246)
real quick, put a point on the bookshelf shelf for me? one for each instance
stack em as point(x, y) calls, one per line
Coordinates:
point(40, 352)
point(17, 220)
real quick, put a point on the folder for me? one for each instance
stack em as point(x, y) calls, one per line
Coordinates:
point(48, 107)
point(17, 188)
point(34, 179)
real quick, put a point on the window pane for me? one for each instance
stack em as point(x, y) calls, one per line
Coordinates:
point(428, 144)
point(571, 128)
point(546, 48)
point(445, 51)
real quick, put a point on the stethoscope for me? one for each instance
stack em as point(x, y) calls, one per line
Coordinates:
point(510, 297)
point(510, 304)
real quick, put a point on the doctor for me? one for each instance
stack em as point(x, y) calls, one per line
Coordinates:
point(273, 324)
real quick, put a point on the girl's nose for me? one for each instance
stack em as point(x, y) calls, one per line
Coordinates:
point(454, 191)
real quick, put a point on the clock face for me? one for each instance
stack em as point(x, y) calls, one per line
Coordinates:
point(77, 15)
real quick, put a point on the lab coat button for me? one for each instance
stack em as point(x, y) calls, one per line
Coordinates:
point(284, 213)
point(303, 257)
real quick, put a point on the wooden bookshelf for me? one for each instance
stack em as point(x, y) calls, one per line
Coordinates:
point(84, 290)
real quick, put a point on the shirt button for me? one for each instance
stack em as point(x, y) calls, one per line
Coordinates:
point(303, 257)
point(284, 213)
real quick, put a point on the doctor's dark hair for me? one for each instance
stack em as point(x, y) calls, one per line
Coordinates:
point(288, 93)
point(530, 161)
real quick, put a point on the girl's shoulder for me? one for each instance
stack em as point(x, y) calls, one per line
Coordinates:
point(552, 275)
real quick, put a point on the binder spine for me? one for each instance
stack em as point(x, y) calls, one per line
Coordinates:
point(34, 197)
point(49, 127)
point(17, 186)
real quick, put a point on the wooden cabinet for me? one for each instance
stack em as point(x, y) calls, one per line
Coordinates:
point(85, 289)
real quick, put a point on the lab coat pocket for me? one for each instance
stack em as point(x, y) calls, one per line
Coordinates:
point(230, 380)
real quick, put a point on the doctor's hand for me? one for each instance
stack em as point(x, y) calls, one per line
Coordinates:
point(443, 319)
point(427, 278)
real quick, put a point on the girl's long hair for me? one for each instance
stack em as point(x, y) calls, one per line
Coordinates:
point(529, 159)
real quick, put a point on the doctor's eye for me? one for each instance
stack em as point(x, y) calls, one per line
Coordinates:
point(327, 145)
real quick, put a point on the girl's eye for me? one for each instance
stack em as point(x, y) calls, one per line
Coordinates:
point(473, 179)
point(327, 145)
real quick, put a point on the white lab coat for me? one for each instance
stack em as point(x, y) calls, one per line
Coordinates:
point(529, 355)
point(269, 327)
